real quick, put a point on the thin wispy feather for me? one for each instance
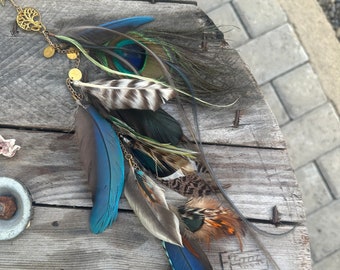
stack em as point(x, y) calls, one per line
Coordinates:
point(146, 141)
point(159, 162)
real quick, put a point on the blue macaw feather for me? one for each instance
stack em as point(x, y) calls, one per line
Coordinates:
point(126, 24)
point(188, 257)
point(103, 158)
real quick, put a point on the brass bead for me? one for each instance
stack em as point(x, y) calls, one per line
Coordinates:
point(49, 51)
point(75, 74)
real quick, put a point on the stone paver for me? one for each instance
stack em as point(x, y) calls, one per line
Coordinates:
point(329, 263)
point(314, 191)
point(228, 22)
point(309, 122)
point(299, 90)
point(278, 49)
point(260, 16)
point(312, 135)
point(275, 104)
point(208, 5)
point(329, 165)
point(323, 228)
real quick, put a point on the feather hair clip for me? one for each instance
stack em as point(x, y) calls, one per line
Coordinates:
point(150, 137)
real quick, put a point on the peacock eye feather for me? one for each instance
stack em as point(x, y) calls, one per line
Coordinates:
point(131, 52)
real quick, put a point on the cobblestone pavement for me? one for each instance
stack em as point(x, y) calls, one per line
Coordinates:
point(265, 39)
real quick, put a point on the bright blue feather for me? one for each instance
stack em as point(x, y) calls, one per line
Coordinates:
point(109, 173)
point(181, 258)
point(131, 23)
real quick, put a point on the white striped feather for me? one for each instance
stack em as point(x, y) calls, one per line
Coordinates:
point(127, 93)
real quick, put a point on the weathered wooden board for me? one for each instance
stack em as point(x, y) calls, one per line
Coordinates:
point(251, 157)
point(59, 239)
point(49, 165)
point(33, 91)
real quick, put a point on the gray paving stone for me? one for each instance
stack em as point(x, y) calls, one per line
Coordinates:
point(275, 104)
point(260, 16)
point(314, 191)
point(227, 21)
point(207, 6)
point(330, 263)
point(323, 228)
point(310, 136)
point(299, 90)
point(329, 165)
point(273, 53)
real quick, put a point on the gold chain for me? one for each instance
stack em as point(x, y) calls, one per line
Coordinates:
point(127, 155)
point(16, 6)
point(76, 96)
point(29, 19)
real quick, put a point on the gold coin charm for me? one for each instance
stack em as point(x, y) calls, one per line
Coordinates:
point(75, 74)
point(29, 19)
point(49, 51)
point(72, 54)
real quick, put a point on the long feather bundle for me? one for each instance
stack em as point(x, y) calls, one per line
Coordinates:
point(148, 202)
point(160, 59)
point(103, 159)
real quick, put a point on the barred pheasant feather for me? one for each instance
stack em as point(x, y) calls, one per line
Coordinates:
point(128, 93)
point(121, 123)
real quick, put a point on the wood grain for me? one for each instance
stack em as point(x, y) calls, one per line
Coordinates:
point(33, 89)
point(49, 165)
point(60, 239)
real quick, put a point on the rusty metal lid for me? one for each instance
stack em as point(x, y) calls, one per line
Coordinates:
point(15, 208)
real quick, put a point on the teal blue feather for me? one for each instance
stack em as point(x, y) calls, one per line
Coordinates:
point(188, 257)
point(103, 159)
point(95, 36)
point(126, 24)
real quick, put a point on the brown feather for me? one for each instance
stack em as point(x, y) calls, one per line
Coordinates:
point(218, 221)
